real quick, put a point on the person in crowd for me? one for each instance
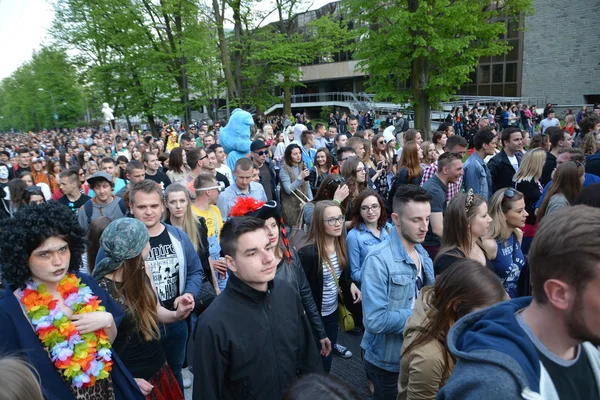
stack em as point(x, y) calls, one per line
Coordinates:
point(540, 141)
point(560, 140)
point(320, 387)
point(358, 144)
point(122, 166)
point(242, 186)
point(505, 164)
point(40, 175)
point(320, 139)
point(589, 196)
point(91, 167)
point(465, 223)
point(153, 171)
point(477, 176)
point(503, 240)
point(409, 169)
point(16, 188)
point(439, 140)
point(320, 170)
point(265, 361)
point(259, 154)
point(174, 263)
point(23, 161)
point(381, 162)
point(18, 380)
point(33, 195)
point(325, 262)
point(42, 277)
point(295, 189)
point(355, 175)
point(564, 189)
point(27, 177)
point(137, 154)
point(369, 228)
point(134, 172)
point(527, 181)
point(4, 190)
point(413, 135)
point(389, 150)
point(204, 206)
point(569, 124)
point(104, 204)
point(543, 346)
point(178, 168)
point(456, 144)
point(109, 166)
point(394, 272)
point(307, 140)
point(449, 169)
point(332, 188)
point(221, 165)
point(549, 121)
point(426, 362)
point(585, 138)
point(93, 245)
point(287, 261)
point(343, 154)
point(127, 279)
point(429, 154)
point(340, 141)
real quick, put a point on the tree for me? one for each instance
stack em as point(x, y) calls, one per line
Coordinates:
point(432, 44)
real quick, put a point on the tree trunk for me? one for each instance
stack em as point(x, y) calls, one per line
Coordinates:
point(287, 96)
point(420, 101)
point(232, 90)
point(237, 33)
point(152, 124)
point(129, 124)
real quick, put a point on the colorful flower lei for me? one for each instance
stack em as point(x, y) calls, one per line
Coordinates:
point(80, 358)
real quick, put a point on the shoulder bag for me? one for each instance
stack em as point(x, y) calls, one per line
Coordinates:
point(345, 317)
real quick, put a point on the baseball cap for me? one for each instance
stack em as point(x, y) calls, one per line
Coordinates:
point(257, 145)
point(98, 177)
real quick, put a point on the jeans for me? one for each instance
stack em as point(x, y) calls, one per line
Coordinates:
point(330, 323)
point(384, 382)
point(173, 340)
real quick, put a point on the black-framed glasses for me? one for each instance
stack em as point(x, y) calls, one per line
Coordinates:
point(339, 181)
point(380, 141)
point(262, 153)
point(374, 207)
point(334, 221)
point(202, 158)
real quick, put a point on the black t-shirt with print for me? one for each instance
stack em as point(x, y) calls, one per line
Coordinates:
point(164, 265)
point(161, 178)
point(74, 206)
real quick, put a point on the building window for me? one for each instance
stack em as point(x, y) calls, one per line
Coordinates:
point(497, 73)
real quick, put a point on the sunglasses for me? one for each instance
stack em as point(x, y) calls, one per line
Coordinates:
point(510, 193)
point(261, 153)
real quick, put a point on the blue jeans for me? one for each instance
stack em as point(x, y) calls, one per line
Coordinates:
point(384, 382)
point(173, 340)
point(330, 323)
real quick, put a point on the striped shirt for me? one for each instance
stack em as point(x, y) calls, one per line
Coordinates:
point(330, 291)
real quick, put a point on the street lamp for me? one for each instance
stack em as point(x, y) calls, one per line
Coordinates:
point(53, 107)
point(187, 116)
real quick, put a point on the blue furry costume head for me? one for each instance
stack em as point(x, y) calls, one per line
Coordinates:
point(235, 136)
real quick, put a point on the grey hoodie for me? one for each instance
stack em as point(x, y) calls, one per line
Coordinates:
point(111, 210)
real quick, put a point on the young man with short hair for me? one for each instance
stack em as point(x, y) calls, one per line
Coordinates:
point(307, 140)
point(255, 338)
point(450, 169)
point(209, 140)
point(343, 154)
point(549, 121)
point(559, 140)
point(320, 132)
point(393, 274)
point(340, 141)
point(221, 165)
point(23, 161)
point(134, 172)
point(104, 204)
point(352, 125)
point(109, 166)
point(358, 144)
point(242, 186)
point(545, 346)
point(477, 175)
point(153, 171)
point(71, 190)
point(455, 144)
point(207, 166)
point(504, 165)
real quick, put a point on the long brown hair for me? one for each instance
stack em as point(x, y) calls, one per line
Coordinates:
point(458, 216)
point(317, 235)
point(467, 286)
point(378, 155)
point(349, 172)
point(410, 159)
point(328, 160)
point(140, 297)
point(357, 218)
point(566, 181)
point(96, 228)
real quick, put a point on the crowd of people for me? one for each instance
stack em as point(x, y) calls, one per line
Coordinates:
point(468, 264)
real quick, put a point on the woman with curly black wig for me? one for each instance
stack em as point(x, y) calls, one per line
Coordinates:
point(58, 320)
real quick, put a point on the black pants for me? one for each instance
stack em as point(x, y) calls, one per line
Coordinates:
point(330, 323)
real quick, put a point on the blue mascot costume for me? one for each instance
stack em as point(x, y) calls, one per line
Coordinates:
point(235, 136)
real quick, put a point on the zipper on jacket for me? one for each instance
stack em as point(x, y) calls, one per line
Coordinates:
point(267, 305)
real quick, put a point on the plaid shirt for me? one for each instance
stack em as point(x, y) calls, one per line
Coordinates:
point(453, 187)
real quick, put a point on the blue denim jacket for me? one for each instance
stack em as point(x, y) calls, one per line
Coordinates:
point(388, 288)
point(360, 241)
point(477, 176)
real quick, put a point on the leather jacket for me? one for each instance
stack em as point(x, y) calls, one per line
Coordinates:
point(294, 274)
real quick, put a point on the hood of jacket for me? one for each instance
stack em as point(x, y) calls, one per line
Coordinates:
point(493, 335)
point(419, 317)
point(595, 156)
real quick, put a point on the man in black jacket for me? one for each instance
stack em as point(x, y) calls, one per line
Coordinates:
point(504, 165)
point(255, 338)
point(559, 140)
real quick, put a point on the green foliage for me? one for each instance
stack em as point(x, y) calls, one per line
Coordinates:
point(24, 107)
point(325, 111)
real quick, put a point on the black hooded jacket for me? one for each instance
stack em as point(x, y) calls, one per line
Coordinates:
point(252, 344)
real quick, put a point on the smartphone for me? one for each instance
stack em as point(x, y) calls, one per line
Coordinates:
point(379, 165)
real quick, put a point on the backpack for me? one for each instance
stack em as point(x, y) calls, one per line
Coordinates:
point(88, 207)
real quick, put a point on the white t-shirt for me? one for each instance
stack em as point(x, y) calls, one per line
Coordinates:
point(513, 160)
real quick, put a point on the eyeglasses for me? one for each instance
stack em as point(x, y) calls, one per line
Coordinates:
point(360, 169)
point(334, 221)
point(380, 141)
point(262, 153)
point(374, 207)
point(202, 158)
point(339, 181)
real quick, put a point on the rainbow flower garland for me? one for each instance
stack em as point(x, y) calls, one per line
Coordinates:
point(80, 358)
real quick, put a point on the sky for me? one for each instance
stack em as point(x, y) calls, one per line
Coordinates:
point(24, 25)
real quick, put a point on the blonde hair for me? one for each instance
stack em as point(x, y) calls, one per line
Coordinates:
point(19, 380)
point(190, 220)
point(499, 205)
point(531, 165)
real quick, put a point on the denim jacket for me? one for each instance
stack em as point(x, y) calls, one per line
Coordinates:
point(477, 176)
point(388, 288)
point(360, 241)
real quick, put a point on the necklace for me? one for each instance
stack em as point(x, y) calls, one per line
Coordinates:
point(81, 358)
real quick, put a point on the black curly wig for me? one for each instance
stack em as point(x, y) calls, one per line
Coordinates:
point(28, 229)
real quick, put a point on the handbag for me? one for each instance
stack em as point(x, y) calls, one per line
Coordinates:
point(205, 297)
point(299, 234)
point(345, 317)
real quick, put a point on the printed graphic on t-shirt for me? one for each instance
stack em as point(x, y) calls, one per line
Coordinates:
point(164, 265)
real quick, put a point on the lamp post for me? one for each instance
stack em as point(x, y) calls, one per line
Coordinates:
point(55, 116)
